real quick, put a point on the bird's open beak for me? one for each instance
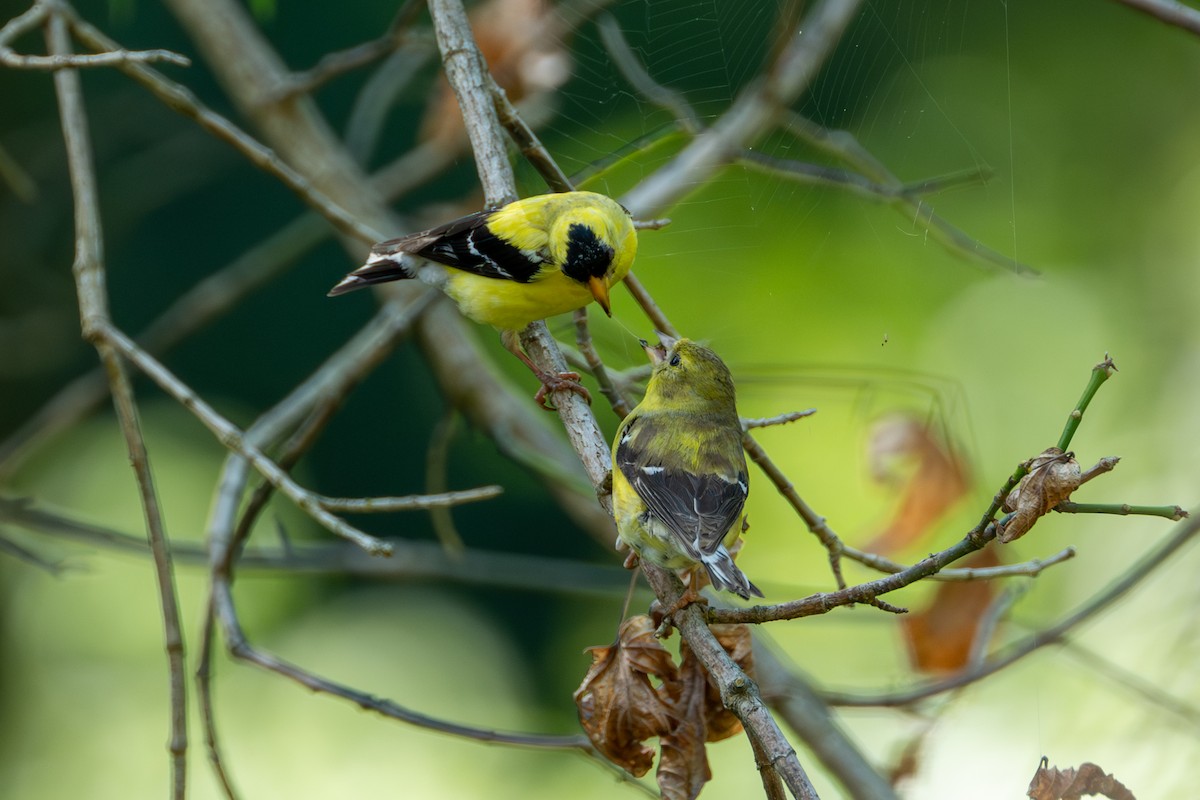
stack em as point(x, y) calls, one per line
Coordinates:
point(658, 352)
point(600, 292)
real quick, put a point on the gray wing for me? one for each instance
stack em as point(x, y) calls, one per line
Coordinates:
point(698, 509)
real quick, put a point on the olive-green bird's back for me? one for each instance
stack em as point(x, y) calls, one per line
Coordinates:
point(679, 473)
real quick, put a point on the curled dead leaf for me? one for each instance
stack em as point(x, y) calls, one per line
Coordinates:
point(1052, 783)
point(619, 707)
point(1052, 477)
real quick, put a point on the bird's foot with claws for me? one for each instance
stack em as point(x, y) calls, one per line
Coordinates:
point(559, 382)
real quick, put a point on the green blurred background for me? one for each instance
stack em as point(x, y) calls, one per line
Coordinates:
point(1088, 116)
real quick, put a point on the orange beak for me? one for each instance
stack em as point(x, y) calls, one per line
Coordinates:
point(600, 292)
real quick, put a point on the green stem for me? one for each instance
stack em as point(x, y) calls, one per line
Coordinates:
point(1122, 509)
point(1100, 373)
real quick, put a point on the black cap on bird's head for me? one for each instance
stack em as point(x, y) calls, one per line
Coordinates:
point(589, 260)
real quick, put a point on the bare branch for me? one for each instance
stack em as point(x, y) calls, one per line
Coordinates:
point(797, 703)
point(437, 455)
point(1026, 569)
point(1184, 533)
point(412, 502)
point(1174, 513)
point(336, 64)
point(1168, 11)
point(634, 72)
point(778, 419)
point(90, 280)
point(413, 561)
point(232, 439)
point(184, 101)
point(738, 692)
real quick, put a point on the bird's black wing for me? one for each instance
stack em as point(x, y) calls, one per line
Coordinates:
point(467, 244)
point(698, 508)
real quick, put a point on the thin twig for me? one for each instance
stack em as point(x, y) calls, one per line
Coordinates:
point(1184, 533)
point(527, 141)
point(779, 419)
point(1168, 11)
point(797, 703)
point(583, 338)
point(29, 557)
point(1140, 685)
point(338, 63)
point(1025, 569)
point(184, 101)
point(232, 439)
point(824, 602)
point(208, 300)
point(904, 198)
point(1100, 373)
point(413, 561)
point(739, 693)
point(437, 457)
point(90, 280)
point(324, 393)
point(110, 59)
point(1174, 513)
point(631, 68)
point(412, 502)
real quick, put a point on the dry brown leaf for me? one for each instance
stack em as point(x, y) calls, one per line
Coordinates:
point(619, 707)
point(1052, 783)
point(1052, 477)
point(683, 764)
point(903, 450)
point(940, 637)
point(723, 723)
point(522, 56)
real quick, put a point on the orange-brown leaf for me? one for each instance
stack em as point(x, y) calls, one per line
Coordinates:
point(1052, 783)
point(523, 53)
point(936, 478)
point(940, 637)
point(1052, 477)
point(619, 707)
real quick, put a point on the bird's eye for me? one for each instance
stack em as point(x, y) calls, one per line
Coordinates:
point(675, 359)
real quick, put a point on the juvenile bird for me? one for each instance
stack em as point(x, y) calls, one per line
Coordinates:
point(679, 473)
point(531, 259)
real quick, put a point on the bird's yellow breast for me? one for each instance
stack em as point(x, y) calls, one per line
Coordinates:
point(510, 305)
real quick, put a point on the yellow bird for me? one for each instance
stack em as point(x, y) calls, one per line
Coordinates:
point(679, 474)
point(531, 259)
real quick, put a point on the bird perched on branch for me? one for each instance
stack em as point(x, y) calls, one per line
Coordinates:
point(531, 259)
point(679, 473)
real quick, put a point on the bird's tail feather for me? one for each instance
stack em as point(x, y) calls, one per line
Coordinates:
point(380, 268)
point(724, 574)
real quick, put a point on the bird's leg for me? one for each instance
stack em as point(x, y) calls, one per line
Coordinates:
point(551, 381)
point(690, 595)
